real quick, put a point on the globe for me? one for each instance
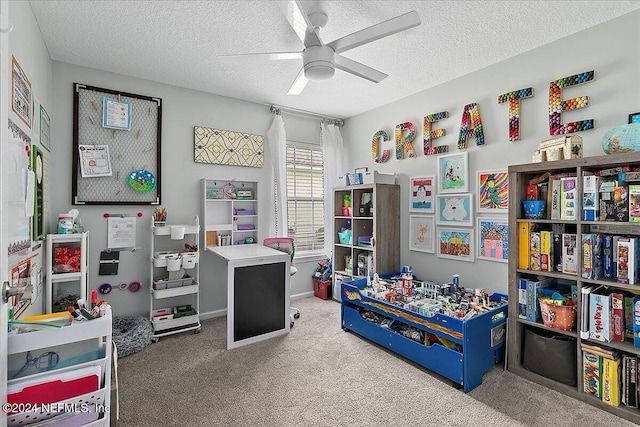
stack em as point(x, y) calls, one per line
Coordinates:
point(622, 139)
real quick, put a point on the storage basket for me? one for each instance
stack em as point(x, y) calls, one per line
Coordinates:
point(561, 317)
point(345, 237)
point(189, 259)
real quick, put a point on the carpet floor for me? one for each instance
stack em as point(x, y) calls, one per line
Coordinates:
point(320, 375)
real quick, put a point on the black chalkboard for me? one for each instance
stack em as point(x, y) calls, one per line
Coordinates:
point(259, 300)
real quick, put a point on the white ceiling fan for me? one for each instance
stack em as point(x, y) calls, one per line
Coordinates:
point(319, 59)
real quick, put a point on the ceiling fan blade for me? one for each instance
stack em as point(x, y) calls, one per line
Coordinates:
point(299, 20)
point(298, 84)
point(378, 31)
point(253, 57)
point(358, 69)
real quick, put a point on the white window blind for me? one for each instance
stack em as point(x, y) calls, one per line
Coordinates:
point(305, 196)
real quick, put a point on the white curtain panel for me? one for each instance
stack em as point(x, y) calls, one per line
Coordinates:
point(277, 140)
point(334, 166)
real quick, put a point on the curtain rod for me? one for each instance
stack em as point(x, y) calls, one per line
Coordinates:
point(277, 109)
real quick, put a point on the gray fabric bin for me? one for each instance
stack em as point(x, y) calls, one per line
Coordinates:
point(551, 355)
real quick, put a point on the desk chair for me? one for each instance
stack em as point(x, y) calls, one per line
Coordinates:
point(285, 244)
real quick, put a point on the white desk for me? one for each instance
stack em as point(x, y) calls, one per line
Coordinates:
point(257, 292)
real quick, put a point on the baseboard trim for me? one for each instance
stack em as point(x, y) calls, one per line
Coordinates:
point(223, 312)
point(302, 295)
point(212, 314)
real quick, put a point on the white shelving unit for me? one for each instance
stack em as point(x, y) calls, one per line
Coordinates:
point(93, 340)
point(54, 279)
point(175, 278)
point(232, 213)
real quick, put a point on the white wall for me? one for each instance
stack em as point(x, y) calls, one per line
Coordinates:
point(182, 109)
point(26, 45)
point(611, 49)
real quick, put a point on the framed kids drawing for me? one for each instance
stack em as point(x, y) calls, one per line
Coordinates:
point(493, 191)
point(493, 239)
point(455, 209)
point(421, 233)
point(455, 243)
point(453, 173)
point(422, 193)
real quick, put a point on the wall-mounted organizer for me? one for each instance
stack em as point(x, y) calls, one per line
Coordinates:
point(230, 212)
point(175, 278)
point(116, 147)
point(66, 270)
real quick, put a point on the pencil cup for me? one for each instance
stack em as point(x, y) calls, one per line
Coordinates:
point(174, 263)
point(177, 232)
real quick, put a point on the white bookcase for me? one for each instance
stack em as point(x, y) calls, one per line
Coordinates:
point(229, 211)
point(59, 280)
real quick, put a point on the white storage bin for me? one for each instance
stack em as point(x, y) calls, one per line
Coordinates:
point(160, 258)
point(174, 263)
point(374, 177)
point(164, 318)
point(177, 232)
point(190, 259)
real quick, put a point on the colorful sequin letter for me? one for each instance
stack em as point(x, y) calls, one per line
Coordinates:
point(403, 141)
point(471, 125)
point(374, 147)
point(557, 105)
point(429, 135)
point(514, 109)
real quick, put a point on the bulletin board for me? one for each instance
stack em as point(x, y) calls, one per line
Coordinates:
point(116, 147)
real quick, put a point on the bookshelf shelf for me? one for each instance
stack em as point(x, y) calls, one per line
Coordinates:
point(521, 267)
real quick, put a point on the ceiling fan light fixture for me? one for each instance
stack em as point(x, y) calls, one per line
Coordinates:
point(319, 62)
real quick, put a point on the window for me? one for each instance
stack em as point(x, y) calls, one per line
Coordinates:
point(305, 196)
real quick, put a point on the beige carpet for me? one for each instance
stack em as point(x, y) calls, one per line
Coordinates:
point(319, 375)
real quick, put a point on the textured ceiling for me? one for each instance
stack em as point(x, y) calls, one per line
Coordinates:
point(178, 43)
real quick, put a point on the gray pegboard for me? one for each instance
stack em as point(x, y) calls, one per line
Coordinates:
point(129, 150)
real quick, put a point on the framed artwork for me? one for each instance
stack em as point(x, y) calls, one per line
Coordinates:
point(422, 194)
point(21, 94)
point(634, 118)
point(45, 129)
point(227, 147)
point(454, 209)
point(453, 173)
point(455, 243)
point(133, 165)
point(493, 239)
point(493, 191)
point(422, 233)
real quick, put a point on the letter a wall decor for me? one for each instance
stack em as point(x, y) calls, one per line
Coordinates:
point(226, 147)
